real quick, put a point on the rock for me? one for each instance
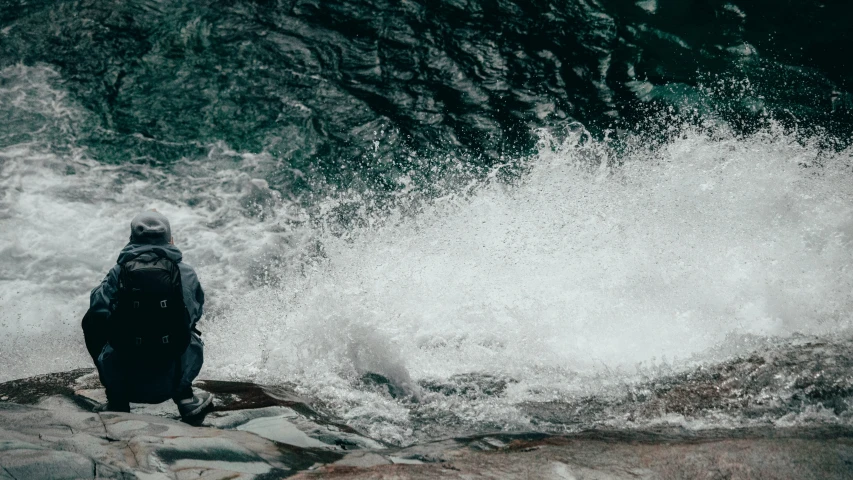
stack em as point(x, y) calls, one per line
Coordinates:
point(34, 389)
point(47, 431)
point(284, 425)
point(62, 440)
point(58, 435)
point(363, 459)
point(26, 460)
point(768, 453)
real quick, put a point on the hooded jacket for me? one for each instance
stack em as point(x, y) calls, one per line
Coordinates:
point(96, 318)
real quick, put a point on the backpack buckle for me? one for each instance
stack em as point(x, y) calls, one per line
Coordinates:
point(138, 341)
point(162, 304)
point(135, 304)
point(165, 339)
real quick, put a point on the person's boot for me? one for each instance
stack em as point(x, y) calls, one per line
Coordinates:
point(193, 407)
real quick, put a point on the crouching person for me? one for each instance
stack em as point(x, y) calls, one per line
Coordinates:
point(140, 328)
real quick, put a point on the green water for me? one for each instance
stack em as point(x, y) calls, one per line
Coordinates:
point(362, 93)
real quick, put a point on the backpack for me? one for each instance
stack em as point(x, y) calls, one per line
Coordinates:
point(150, 322)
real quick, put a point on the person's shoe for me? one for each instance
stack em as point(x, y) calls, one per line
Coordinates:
point(195, 406)
point(112, 407)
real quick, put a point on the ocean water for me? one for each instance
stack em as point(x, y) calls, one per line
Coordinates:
point(429, 217)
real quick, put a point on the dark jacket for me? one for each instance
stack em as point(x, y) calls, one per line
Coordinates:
point(97, 317)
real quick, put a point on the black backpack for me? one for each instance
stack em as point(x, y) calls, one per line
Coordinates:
point(150, 322)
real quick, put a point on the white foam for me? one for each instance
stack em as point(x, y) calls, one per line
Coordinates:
point(61, 232)
point(64, 217)
point(581, 270)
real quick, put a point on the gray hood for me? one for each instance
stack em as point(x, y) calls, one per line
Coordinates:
point(150, 227)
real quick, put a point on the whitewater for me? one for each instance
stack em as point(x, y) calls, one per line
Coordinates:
point(592, 267)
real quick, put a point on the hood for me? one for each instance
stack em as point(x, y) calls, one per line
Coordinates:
point(150, 227)
point(134, 249)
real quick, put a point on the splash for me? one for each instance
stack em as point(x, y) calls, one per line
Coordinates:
point(595, 262)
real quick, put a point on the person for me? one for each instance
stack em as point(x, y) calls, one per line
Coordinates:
point(140, 328)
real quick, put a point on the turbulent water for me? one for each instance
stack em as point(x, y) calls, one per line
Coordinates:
point(443, 217)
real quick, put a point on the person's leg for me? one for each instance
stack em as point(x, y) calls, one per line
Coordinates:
point(94, 334)
point(191, 362)
point(190, 404)
point(111, 372)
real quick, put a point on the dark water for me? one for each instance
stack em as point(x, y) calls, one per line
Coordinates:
point(366, 91)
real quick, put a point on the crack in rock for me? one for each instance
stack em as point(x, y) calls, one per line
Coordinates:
point(8, 473)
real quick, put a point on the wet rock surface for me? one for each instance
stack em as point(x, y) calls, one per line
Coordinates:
point(802, 380)
point(762, 454)
point(47, 430)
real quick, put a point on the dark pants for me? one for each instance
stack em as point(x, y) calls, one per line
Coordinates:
point(139, 383)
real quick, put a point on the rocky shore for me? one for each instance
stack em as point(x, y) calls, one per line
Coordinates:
point(47, 431)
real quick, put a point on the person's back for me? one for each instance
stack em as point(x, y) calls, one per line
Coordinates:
point(140, 328)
